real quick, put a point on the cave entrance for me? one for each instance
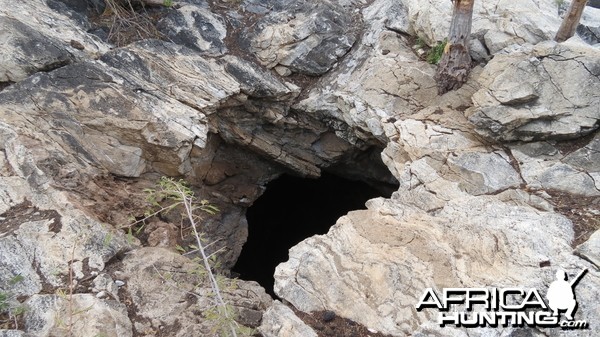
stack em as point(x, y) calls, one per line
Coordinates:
point(290, 210)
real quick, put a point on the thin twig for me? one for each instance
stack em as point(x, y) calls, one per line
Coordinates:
point(188, 207)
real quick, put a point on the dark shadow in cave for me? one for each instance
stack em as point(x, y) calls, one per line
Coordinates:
point(291, 210)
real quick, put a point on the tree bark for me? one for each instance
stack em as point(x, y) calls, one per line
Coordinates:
point(455, 65)
point(571, 20)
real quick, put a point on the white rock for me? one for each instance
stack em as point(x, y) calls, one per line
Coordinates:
point(280, 321)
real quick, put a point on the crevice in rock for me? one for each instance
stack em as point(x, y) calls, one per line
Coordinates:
point(291, 210)
point(4, 85)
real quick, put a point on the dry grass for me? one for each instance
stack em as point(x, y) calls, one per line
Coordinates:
point(582, 211)
point(129, 22)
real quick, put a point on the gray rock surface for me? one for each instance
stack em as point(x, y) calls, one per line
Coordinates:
point(89, 117)
point(460, 216)
point(279, 320)
point(38, 38)
point(544, 167)
point(84, 314)
point(404, 249)
point(495, 24)
point(44, 236)
point(590, 250)
point(80, 143)
point(26, 51)
point(556, 98)
point(169, 293)
point(195, 27)
point(589, 25)
point(306, 38)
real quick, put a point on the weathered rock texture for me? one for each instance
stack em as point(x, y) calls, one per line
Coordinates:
point(245, 92)
point(279, 320)
point(305, 38)
point(554, 99)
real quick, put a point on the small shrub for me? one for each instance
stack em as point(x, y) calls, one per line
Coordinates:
point(170, 195)
point(10, 310)
point(420, 43)
point(435, 53)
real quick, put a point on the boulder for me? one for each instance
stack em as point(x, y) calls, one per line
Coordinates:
point(279, 321)
point(374, 265)
point(589, 25)
point(91, 117)
point(83, 314)
point(381, 81)
point(495, 24)
point(45, 238)
point(544, 166)
point(27, 51)
point(171, 293)
point(590, 249)
point(556, 98)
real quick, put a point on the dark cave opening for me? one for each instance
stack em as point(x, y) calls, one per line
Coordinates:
point(290, 210)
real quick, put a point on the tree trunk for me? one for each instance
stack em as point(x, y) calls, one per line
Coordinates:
point(455, 65)
point(571, 20)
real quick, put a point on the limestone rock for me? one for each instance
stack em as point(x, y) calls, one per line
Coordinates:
point(543, 166)
point(370, 87)
point(485, 172)
point(496, 24)
point(14, 333)
point(280, 321)
point(195, 27)
point(373, 265)
point(451, 153)
point(590, 250)
point(91, 117)
point(27, 51)
point(171, 292)
point(556, 98)
point(586, 158)
point(589, 25)
point(307, 38)
point(38, 38)
point(176, 71)
point(83, 314)
point(44, 236)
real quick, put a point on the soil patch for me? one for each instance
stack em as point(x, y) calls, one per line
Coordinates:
point(328, 324)
point(584, 212)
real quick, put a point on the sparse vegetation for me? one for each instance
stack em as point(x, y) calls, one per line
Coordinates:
point(171, 195)
point(420, 42)
point(10, 308)
point(435, 53)
point(129, 21)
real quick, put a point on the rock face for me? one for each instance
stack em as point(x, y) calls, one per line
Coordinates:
point(549, 103)
point(304, 38)
point(38, 38)
point(169, 293)
point(279, 320)
point(495, 25)
point(467, 212)
point(196, 28)
point(241, 93)
point(543, 166)
point(53, 315)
